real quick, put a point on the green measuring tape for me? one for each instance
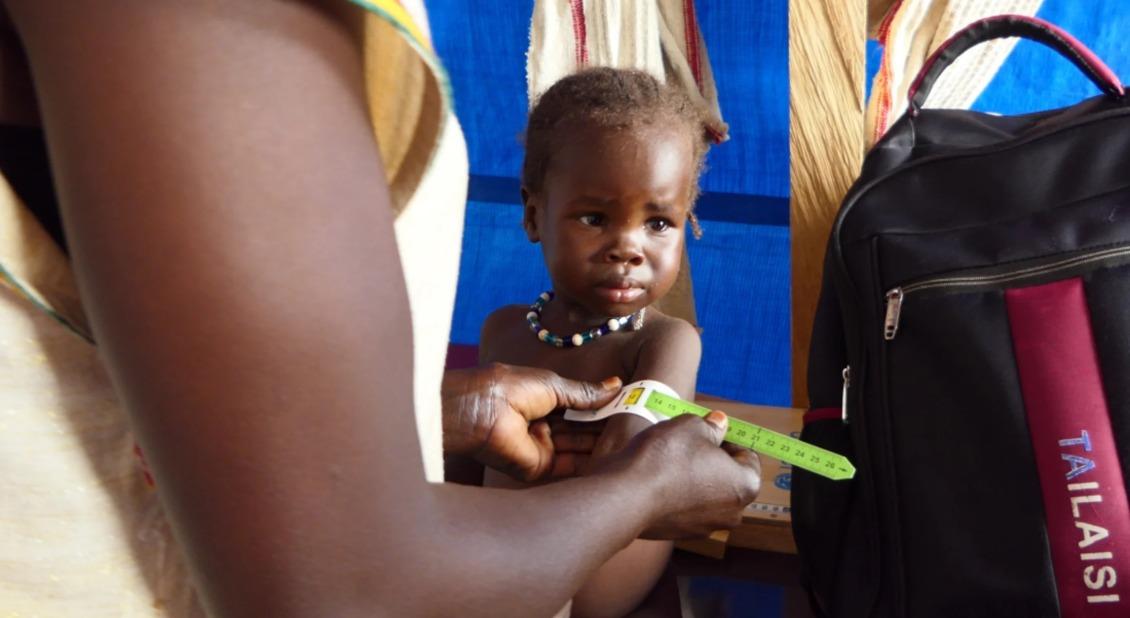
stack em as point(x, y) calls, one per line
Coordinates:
point(756, 438)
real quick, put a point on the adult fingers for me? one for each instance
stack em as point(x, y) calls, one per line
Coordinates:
point(559, 425)
point(711, 427)
point(538, 456)
point(570, 442)
point(748, 459)
point(715, 425)
point(718, 422)
point(743, 455)
point(751, 463)
point(568, 464)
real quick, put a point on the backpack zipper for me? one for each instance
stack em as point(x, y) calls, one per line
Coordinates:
point(844, 398)
point(894, 311)
point(856, 192)
point(896, 296)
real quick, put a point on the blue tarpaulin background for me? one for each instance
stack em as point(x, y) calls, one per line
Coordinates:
point(1036, 78)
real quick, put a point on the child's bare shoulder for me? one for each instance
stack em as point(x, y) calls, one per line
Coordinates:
point(505, 317)
point(669, 350)
point(662, 329)
point(502, 324)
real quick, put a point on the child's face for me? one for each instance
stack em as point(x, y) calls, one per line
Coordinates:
point(611, 215)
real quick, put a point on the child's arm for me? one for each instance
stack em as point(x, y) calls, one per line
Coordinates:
point(497, 323)
point(670, 355)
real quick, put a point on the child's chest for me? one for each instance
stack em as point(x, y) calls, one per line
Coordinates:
point(614, 355)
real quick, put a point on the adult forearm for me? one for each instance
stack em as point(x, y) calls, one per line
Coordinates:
point(479, 551)
point(519, 553)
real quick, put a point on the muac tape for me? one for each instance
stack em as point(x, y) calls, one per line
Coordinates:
point(656, 401)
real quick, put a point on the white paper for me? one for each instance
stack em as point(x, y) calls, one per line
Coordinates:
point(620, 404)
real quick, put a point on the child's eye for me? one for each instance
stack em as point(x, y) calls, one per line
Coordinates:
point(659, 225)
point(593, 219)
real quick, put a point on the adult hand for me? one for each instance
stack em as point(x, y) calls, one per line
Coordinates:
point(495, 414)
point(618, 430)
point(699, 486)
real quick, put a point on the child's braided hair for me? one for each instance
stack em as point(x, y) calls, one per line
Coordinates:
point(609, 98)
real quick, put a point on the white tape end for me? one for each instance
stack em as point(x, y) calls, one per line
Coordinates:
point(631, 400)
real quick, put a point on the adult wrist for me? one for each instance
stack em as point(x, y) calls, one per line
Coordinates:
point(636, 475)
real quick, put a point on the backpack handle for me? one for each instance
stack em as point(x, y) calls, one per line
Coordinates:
point(1005, 26)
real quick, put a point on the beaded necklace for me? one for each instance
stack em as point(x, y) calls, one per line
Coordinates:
point(533, 318)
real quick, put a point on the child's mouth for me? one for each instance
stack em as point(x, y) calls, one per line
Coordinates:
point(618, 294)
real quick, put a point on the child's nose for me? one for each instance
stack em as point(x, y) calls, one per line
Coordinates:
point(624, 251)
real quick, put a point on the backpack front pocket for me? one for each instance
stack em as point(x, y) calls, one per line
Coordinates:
point(985, 372)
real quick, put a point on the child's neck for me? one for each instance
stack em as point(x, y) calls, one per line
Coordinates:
point(560, 315)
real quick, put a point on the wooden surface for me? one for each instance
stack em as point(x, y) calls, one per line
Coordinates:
point(713, 546)
point(826, 139)
point(763, 535)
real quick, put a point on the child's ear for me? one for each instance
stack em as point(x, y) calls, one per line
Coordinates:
point(530, 206)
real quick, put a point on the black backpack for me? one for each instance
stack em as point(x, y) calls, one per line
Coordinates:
point(971, 356)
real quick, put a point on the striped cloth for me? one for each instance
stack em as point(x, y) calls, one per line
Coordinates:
point(910, 30)
point(658, 36)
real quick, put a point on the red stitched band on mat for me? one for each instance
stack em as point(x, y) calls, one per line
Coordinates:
point(690, 31)
point(1085, 504)
point(822, 414)
point(580, 38)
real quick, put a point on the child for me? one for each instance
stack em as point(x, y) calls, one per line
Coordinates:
point(610, 176)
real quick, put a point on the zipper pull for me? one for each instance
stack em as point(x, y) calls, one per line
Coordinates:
point(894, 310)
point(844, 399)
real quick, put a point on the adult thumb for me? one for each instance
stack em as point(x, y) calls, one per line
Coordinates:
point(585, 395)
point(718, 423)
